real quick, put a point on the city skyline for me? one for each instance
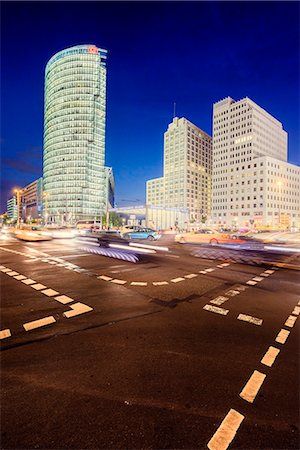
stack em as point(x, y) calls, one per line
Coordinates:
point(144, 79)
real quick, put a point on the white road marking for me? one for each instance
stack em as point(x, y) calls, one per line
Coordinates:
point(219, 300)
point(123, 270)
point(11, 274)
point(105, 278)
point(77, 309)
point(28, 281)
point(39, 323)
point(159, 283)
point(202, 271)
point(5, 270)
point(191, 275)
point(270, 356)
point(264, 274)
point(250, 319)
point(138, 283)
point(232, 293)
point(64, 299)
point(209, 270)
point(38, 286)
point(5, 333)
point(257, 278)
point(220, 266)
point(118, 281)
point(225, 264)
point(217, 310)
point(50, 292)
point(252, 283)
point(226, 431)
point(296, 311)
point(290, 321)
point(269, 271)
point(2, 267)
point(252, 387)
point(282, 336)
point(20, 277)
point(177, 280)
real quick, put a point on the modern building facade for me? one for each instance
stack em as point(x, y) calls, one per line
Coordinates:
point(253, 184)
point(109, 188)
point(32, 200)
point(74, 134)
point(186, 182)
point(12, 209)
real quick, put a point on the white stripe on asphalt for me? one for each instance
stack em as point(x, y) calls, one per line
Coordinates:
point(11, 274)
point(28, 281)
point(77, 309)
point(5, 270)
point(159, 283)
point(202, 271)
point(217, 310)
point(138, 283)
point(252, 283)
point(105, 278)
point(232, 293)
point(219, 300)
point(225, 264)
point(296, 311)
point(226, 431)
point(38, 286)
point(191, 275)
point(257, 278)
point(50, 292)
point(118, 281)
point(177, 280)
point(64, 299)
point(5, 333)
point(282, 336)
point(269, 271)
point(209, 270)
point(39, 323)
point(264, 274)
point(290, 321)
point(252, 387)
point(270, 356)
point(20, 277)
point(250, 319)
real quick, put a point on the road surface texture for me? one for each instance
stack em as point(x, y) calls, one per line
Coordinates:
point(116, 350)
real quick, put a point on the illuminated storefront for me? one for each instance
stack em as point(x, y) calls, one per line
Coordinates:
point(74, 134)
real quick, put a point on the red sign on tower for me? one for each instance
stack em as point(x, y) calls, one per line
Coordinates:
point(92, 50)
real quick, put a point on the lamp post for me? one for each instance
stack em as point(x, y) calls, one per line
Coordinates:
point(18, 195)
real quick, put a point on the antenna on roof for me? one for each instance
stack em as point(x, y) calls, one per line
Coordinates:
point(174, 110)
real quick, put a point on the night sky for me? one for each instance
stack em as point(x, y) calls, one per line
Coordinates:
point(160, 52)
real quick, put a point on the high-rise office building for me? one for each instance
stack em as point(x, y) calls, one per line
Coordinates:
point(186, 183)
point(253, 184)
point(74, 134)
point(32, 200)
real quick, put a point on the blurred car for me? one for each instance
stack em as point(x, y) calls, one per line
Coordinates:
point(33, 234)
point(129, 228)
point(143, 233)
point(61, 232)
point(204, 236)
point(111, 237)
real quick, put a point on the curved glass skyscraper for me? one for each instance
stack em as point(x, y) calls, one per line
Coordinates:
point(74, 134)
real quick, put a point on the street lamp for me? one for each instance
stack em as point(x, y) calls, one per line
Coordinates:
point(18, 193)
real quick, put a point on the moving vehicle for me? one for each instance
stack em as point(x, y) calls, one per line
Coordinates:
point(85, 226)
point(204, 236)
point(111, 237)
point(61, 232)
point(143, 233)
point(32, 233)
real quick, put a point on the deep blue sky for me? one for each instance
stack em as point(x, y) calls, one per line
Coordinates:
point(192, 53)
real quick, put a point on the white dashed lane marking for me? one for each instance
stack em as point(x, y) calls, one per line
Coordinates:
point(5, 270)
point(251, 282)
point(226, 431)
point(12, 273)
point(216, 310)
point(296, 311)
point(20, 277)
point(29, 281)
point(177, 280)
point(77, 309)
point(282, 336)
point(50, 292)
point(257, 278)
point(64, 299)
point(39, 323)
point(105, 278)
point(191, 275)
point(138, 283)
point(250, 319)
point(159, 283)
point(118, 281)
point(219, 300)
point(270, 356)
point(290, 321)
point(252, 387)
point(5, 333)
point(38, 286)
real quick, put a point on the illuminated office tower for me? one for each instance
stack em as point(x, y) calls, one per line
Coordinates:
point(253, 184)
point(186, 184)
point(74, 134)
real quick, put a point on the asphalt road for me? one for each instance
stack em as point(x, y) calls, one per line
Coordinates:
point(181, 349)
